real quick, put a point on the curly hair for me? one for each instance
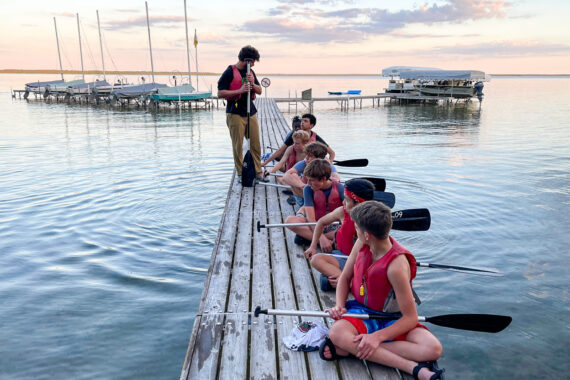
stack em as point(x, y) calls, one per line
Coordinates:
point(248, 52)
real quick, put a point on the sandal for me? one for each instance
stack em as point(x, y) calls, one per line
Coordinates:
point(325, 284)
point(432, 366)
point(334, 356)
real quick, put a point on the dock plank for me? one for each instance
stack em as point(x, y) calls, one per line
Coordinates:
point(264, 268)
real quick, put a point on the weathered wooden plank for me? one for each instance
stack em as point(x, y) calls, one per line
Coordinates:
point(235, 347)
point(262, 358)
point(201, 360)
point(203, 364)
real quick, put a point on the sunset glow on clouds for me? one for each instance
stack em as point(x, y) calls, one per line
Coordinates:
point(294, 36)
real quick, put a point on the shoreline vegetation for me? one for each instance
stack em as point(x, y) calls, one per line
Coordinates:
point(112, 72)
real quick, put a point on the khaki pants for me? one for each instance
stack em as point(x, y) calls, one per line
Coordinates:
point(237, 125)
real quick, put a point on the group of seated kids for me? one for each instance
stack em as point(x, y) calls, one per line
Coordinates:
point(377, 271)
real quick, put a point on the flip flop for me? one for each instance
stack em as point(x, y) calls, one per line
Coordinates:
point(334, 356)
point(432, 366)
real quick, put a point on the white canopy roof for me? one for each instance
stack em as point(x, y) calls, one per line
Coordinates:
point(471, 75)
point(394, 71)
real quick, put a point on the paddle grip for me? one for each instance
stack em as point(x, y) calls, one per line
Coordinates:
point(259, 311)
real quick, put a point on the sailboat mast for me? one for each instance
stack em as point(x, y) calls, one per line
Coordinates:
point(149, 43)
point(196, 48)
point(80, 50)
point(187, 46)
point(58, 53)
point(101, 45)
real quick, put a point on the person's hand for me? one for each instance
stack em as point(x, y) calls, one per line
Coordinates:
point(310, 252)
point(325, 244)
point(264, 163)
point(336, 312)
point(368, 344)
point(265, 173)
point(250, 78)
point(245, 87)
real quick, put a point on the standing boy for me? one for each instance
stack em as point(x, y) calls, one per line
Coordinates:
point(377, 268)
point(233, 85)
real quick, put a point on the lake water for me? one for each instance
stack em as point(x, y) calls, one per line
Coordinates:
point(108, 218)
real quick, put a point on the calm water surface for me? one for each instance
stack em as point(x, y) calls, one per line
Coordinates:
point(107, 218)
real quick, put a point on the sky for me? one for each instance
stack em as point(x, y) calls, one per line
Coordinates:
point(292, 36)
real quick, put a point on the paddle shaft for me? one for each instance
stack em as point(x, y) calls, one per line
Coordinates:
point(474, 322)
point(453, 268)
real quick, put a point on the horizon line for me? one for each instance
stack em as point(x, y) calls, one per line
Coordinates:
point(144, 72)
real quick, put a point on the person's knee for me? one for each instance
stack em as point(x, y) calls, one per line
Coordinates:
point(339, 334)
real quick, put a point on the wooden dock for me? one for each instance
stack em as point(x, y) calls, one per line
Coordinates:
point(250, 268)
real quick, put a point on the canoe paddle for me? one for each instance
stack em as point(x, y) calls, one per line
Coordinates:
point(454, 268)
point(379, 183)
point(354, 163)
point(416, 219)
point(389, 199)
point(489, 323)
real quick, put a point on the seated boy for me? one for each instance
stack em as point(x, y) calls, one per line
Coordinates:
point(356, 191)
point(377, 268)
point(308, 122)
point(293, 176)
point(278, 154)
point(321, 195)
point(293, 154)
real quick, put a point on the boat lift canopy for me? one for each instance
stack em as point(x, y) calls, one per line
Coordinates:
point(395, 71)
point(468, 75)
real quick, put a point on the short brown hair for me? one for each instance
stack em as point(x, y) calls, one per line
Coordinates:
point(373, 217)
point(316, 149)
point(301, 135)
point(318, 169)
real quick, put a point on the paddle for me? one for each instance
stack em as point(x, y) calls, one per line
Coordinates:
point(489, 323)
point(453, 268)
point(389, 199)
point(416, 219)
point(379, 183)
point(355, 163)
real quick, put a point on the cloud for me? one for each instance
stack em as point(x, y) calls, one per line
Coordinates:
point(140, 21)
point(495, 50)
point(312, 24)
point(65, 14)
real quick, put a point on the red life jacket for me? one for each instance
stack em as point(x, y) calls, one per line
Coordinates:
point(236, 84)
point(370, 285)
point(324, 205)
point(345, 234)
point(292, 160)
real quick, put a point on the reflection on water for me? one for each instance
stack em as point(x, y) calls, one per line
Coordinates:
point(108, 218)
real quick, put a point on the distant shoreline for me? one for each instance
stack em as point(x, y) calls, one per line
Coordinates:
point(98, 72)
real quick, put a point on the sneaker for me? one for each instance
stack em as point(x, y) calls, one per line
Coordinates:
point(260, 178)
point(299, 240)
point(292, 201)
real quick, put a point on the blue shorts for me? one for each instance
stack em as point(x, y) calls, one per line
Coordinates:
point(341, 261)
point(370, 325)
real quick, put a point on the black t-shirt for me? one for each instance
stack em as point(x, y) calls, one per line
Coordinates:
point(236, 106)
point(289, 139)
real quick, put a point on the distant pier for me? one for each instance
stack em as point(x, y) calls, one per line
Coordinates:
point(250, 268)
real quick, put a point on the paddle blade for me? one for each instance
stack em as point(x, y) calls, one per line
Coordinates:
point(418, 219)
point(379, 183)
point(489, 323)
point(389, 199)
point(356, 163)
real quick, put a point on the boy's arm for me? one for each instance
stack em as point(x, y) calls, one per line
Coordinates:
point(331, 153)
point(343, 284)
point(277, 153)
point(337, 214)
point(283, 160)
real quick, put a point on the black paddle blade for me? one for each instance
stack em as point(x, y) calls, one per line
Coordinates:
point(417, 219)
point(389, 199)
point(356, 163)
point(489, 323)
point(379, 183)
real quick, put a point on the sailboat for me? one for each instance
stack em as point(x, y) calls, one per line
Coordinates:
point(84, 88)
point(40, 87)
point(142, 90)
point(184, 92)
